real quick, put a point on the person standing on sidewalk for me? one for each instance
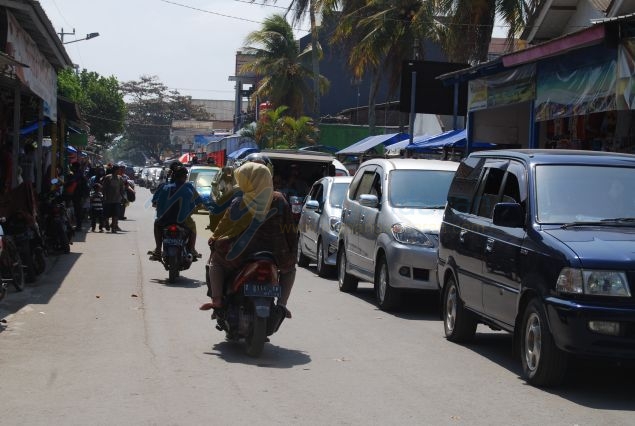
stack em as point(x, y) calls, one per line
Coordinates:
point(97, 208)
point(113, 187)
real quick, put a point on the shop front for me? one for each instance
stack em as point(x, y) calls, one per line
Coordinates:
point(576, 92)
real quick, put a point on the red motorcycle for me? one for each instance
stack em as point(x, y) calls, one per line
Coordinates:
point(249, 311)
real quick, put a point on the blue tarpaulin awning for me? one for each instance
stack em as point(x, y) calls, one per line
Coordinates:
point(449, 139)
point(242, 152)
point(372, 141)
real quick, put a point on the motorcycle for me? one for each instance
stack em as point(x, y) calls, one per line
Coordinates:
point(57, 232)
point(249, 311)
point(26, 236)
point(10, 264)
point(175, 257)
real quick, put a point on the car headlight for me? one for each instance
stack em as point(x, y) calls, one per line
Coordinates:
point(335, 223)
point(593, 282)
point(408, 235)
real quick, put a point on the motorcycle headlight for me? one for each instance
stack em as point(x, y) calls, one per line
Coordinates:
point(593, 282)
point(334, 224)
point(408, 235)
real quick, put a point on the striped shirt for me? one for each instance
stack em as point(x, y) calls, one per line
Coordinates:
point(96, 200)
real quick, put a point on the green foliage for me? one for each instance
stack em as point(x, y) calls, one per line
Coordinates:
point(283, 69)
point(151, 109)
point(299, 132)
point(99, 99)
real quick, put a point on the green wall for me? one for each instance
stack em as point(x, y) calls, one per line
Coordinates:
point(344, 135)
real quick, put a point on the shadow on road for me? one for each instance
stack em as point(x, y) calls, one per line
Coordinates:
point(599, 384)
point(181, 281)
point(272, 356)
point(42, 290)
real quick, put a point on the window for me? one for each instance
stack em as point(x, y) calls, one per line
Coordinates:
point(490, 187)
point(367, 184)
point(464, 184)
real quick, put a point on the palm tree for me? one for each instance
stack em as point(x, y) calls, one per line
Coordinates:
point(270, 130)
point(299, 9)
point(299, 132)
point(380, 34)
point(281, 65)
point(465, 26)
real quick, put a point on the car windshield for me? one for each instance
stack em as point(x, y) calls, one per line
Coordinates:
point(338, 190)
point(202, 179)
point(571, 194)
point(426, 189)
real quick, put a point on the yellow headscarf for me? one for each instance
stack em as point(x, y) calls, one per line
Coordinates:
point(256, 184)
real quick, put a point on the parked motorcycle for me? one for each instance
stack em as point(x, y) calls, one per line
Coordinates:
point(26, 236)
point(55, 226)
point(10, 264)
point(175, 257)
point(249, 311)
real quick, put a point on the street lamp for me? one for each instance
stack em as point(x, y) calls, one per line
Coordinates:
point(88, 37)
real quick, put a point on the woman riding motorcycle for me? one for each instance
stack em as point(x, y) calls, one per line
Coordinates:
point(258, 219)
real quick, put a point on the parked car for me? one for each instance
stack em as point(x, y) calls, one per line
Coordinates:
point(390, 224)
point(320, 222)
point(540, 244)
point(202, 177)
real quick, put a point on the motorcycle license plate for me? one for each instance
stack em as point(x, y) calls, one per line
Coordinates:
point(173, 241)
point(262, 290)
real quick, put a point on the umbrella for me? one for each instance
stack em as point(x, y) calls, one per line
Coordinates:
point(187, 157)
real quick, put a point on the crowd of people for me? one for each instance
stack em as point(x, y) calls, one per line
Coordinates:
point(98, 193)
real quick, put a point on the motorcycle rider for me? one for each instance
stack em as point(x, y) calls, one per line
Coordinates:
point(175, 203)
point(258, 219)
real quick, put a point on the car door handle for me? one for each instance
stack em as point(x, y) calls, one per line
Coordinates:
point(462, 235)
point(489, 245)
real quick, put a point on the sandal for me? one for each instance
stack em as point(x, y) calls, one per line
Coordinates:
point(287, 313)
point(155, 254)
point(210, 305)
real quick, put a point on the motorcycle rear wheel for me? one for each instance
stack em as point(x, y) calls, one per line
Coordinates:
point(257, 337)
point(173, 269)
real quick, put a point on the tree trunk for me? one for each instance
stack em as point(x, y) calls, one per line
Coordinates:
point(315, 63)
point(372, 95)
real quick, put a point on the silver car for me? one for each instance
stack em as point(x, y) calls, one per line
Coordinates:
point(320, 221)
point(390, 226)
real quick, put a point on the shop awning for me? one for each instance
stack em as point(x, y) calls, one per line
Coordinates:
point(242, 152)
point(372, 141)
point(449, 139)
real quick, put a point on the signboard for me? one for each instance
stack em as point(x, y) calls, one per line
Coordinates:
point(40, 77)
point(431, 96)
point(505, 88)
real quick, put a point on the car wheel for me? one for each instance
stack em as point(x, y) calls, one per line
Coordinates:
point(387, 297)
point(346, 281)
point(301, 259)
point(459, 324)
point(323, 269)
point(543, 363)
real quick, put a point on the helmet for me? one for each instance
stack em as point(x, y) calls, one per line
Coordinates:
point(256, 157)
point(179, 172)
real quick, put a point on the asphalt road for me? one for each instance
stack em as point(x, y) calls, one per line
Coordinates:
point(102, 339)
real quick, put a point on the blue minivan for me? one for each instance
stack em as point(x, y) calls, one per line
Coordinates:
point(541, 243)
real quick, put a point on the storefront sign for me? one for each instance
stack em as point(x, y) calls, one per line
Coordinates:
point(40, 76)
point(566, 91)
point(626, 75)
point(505, 88)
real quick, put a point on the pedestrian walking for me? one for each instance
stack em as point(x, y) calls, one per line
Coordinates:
point(113, 188)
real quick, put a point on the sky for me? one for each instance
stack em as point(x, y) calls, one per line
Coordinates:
point(190, 45)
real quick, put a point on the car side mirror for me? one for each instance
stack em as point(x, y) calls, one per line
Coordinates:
point(312, 205)
point(369, 200)
point(510, 215)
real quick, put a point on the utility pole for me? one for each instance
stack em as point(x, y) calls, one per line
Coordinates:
point(62, 34)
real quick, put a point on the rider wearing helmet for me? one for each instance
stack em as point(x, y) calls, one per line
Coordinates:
point(175, 202)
